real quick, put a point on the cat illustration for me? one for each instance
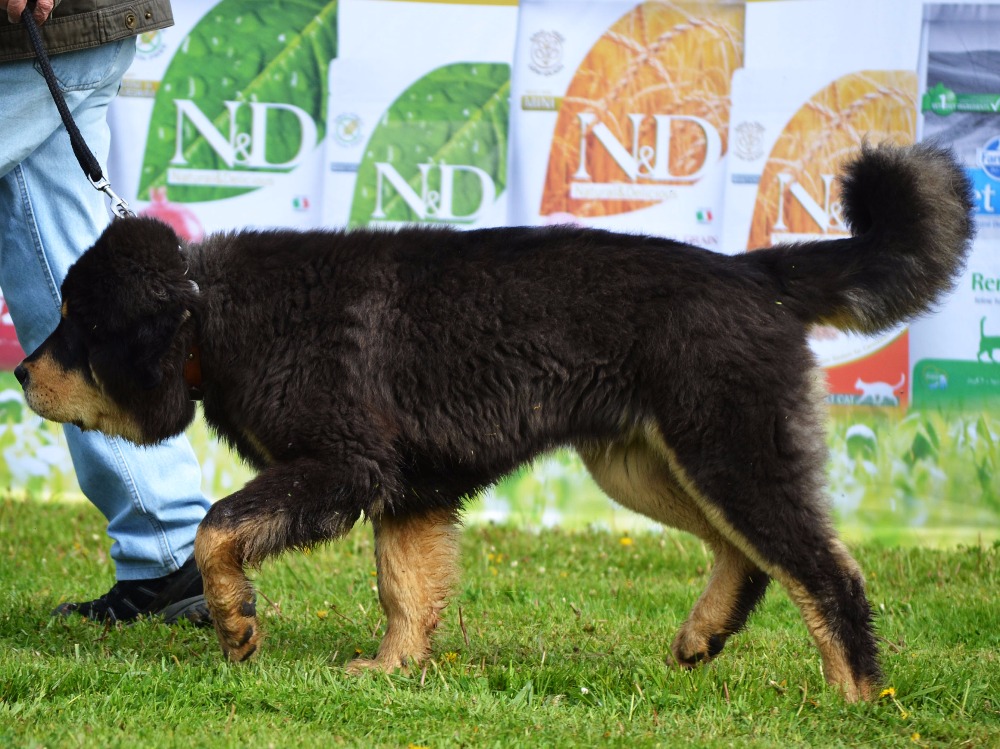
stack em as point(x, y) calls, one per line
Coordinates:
point(879, 393)
point(987, 343)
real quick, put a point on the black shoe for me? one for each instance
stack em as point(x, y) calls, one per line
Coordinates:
point(176, 596)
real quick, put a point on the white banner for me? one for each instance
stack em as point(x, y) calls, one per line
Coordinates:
point(421, 135)
point(620, 115)
point(820, 78)
point(955, 353)
point(221, 117)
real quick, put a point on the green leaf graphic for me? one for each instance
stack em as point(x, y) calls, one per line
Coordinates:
point(242, 51)
point(455, 115)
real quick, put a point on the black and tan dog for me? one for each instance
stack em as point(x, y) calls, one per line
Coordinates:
point(395, 374)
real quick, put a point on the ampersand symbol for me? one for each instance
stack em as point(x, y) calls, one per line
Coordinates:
point(241, 148)
point(432, 202)
point(645, 165)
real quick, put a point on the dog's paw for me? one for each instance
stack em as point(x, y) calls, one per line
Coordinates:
point(362, 666)
point(239, 633)
point(855, 690)
point(691, 648)
point(388, 665)
point(240, 649)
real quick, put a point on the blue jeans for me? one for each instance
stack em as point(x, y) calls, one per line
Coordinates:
point(50, 214)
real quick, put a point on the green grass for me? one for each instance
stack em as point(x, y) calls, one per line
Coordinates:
point(553, 639)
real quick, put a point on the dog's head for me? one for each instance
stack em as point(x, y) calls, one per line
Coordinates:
point(115, 362)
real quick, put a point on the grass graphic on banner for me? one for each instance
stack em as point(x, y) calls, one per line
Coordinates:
point(927, 477)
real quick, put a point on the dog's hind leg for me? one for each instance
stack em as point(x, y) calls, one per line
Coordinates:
point(758, 477)
point(735, 588)
point(293, 504)
point(826, 584)
point(416, 559)
point(635, 473)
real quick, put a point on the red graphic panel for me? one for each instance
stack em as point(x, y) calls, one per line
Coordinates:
point(10, 350)
point(877, 380)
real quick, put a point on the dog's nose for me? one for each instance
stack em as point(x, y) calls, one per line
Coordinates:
point(21, 373)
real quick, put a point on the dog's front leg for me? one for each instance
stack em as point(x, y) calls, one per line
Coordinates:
point(416, 560)
point(229, 594)
point(290, 504)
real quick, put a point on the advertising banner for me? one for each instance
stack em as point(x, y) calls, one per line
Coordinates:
point(956, 352)
point(793, 125)
point(11, 353)
point(219, 125)
point(716, 122)
point(425, 141)
point(227, 109)
point(620, 115)
point(821, 78)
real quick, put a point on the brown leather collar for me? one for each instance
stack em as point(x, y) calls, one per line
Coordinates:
point(192, 372)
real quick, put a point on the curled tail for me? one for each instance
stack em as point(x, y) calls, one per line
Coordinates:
point(910, 211)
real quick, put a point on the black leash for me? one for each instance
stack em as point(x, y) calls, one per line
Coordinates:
point(83, 154)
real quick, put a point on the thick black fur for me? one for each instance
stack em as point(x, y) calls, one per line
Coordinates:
point(392, 373)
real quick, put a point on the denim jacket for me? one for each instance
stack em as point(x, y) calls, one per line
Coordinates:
point(80, 24)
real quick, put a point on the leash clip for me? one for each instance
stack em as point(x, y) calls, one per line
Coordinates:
point(119, 206)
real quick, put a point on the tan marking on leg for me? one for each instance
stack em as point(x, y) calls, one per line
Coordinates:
point(228, 592)
point(836, 668)
point(416, 559)
point(636, 474)
point(716, 606)
point(633, 473)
